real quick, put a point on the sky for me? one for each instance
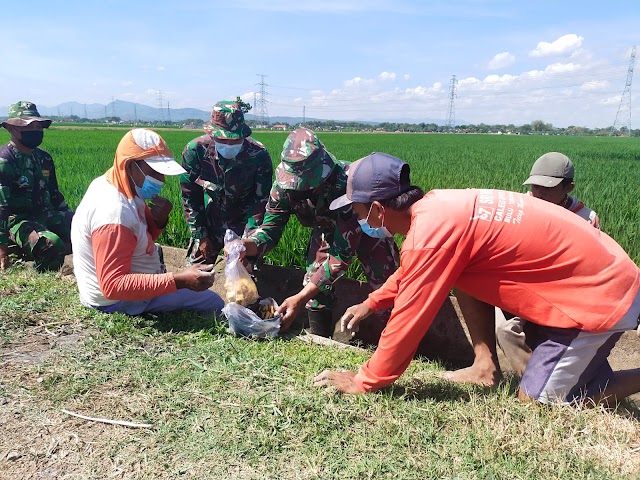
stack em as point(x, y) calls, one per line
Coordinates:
point(563, 62)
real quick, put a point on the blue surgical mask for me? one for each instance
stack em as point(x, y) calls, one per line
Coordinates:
point(379, 232)
point(228, 151)
point(150, 187)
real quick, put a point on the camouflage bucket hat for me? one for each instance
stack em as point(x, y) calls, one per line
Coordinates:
point(304, 162)
point(23, 113)
point(227, 121)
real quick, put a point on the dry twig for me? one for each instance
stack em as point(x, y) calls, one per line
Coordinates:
point(107, 420)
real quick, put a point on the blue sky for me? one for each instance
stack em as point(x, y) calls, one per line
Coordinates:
point(562, 62)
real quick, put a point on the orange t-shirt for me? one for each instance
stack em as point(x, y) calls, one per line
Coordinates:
point(510, 250)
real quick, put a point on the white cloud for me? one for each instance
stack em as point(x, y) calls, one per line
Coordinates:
point(595, 85)
point(611, 100)
point(406, 76)
point(387, 76)
point(160, 68)
point(563, 46)
point(505, 79)
point(126, 83)
point(501, 60)
point(469, 81)
point(561, 68)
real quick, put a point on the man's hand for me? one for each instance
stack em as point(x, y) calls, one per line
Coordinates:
point(160, 209)
point(197, 278)
point(342, 380)
point(4, 257)
point(250, 248)
point(289, 310)
point(291, 306)
point(353, 316)
point(206, 250)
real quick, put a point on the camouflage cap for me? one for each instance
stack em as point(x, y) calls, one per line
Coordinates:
point(304, 162)
point(227, 121)
point(23, 113)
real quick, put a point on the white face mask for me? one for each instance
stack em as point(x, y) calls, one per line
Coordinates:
point(228, 151)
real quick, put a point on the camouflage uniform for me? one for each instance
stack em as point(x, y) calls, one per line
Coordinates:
point(34, 217)
point(220, 193)
point(308, 179)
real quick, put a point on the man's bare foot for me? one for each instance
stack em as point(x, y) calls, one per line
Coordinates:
point(473, 375)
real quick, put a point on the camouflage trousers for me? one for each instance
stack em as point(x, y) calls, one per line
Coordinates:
point(216, 237)
point(379, 258)
point(44, 240)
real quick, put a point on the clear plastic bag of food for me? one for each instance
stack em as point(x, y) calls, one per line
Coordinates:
point(239, 286)
point(262, 323)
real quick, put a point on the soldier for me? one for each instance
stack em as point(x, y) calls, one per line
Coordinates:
point(307, 180)
point(226, 184)
point(35, 220)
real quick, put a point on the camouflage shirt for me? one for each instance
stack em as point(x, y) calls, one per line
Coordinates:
point(238, 188)
point(339, 228)
point(28, 187)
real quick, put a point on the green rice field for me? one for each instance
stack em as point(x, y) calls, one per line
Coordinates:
point(607, 170)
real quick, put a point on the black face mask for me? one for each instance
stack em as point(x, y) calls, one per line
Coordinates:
point(31, 138)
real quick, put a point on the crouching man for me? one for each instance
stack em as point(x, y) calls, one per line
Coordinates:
point(576, 286)
point(116, 262)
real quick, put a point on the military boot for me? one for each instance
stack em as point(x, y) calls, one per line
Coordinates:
point(321, 322)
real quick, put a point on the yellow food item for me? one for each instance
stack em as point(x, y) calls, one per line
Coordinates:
point(243, 291)
point(266, 311)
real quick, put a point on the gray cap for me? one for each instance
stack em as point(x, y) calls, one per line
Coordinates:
point(550, 169)
point(375, 177)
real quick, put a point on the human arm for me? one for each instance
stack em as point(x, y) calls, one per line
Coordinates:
point(337, 249)
point(263, 180)
point(157, 215)
point(427, 277)
point(291, 306)
point(7, 178)
point(192, 192)
point(56, 199)
point(113, 247)
point(268, 234)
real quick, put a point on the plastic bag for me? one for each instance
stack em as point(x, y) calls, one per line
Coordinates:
point(244, 322)
point(240, 287)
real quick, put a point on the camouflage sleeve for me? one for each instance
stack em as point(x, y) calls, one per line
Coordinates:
point(56, 199)
point(263, 179)
point(7, 175)
point(333, 261)
point(276, 217)
point(192, 193)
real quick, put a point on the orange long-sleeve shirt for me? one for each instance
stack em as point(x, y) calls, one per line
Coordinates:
point(507, 249)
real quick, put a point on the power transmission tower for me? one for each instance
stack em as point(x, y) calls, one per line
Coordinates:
point(623, 115)
point(168, 112)
point(160, 109)
point(451, 119)
point(304, 114)
point(113, 107)
point(135, 115)
point(262, 115)
point(85, 111)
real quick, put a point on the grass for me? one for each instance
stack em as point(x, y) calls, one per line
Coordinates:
point(606, 171)
point(226, 407)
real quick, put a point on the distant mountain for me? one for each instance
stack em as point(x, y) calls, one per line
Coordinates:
point(129, 112)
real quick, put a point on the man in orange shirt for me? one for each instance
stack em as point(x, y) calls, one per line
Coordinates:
point(575, 285)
